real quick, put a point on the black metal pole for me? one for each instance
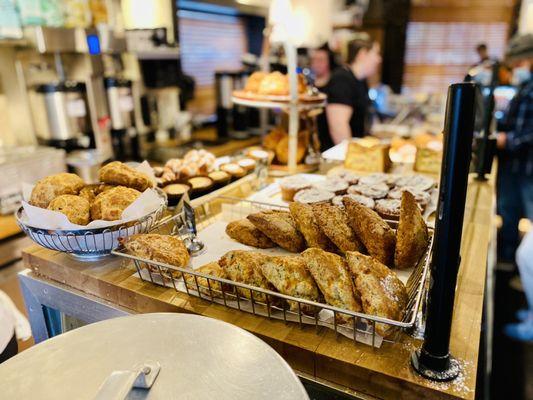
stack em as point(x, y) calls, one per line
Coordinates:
point(433, 359)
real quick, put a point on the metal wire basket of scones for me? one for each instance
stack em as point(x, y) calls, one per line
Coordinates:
point(207, 283)
point(94, 243)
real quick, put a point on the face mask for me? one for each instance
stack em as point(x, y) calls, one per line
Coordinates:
point(520, 75)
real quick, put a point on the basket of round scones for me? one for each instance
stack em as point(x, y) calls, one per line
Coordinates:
point(61, 212)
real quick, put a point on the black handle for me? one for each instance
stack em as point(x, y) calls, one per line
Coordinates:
point(433, 360)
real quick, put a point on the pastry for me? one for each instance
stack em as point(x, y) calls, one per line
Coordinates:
point(373, 179)
point(257, 154)
point(382, 293)
point(174, 165)
point(412, 234)
point(89, 192)
point(289, 275)
point(271, 140)
point(331, 275)
point(175, 192)
point(76, 208)
point(117, 173)
point(351, 178)
point(243, 231)
point(247, 163)
point(165, 249)
point(282, 149)
point(388, 208)
point(280, 228)
point(253, 82)
point(235, 170)
point(200, 185)
point(220, 178)
point(313, 196)
point(303, 216)
point(244, 267)
point(335, 185)
point(420, 182)
point(274, 84)
point(188, 170)
point(213, 269)
point(376, 191)
point(421, 197)
point(334, 223)
point(377, 236)
point(158, 171)
point(47, 189)
point(292, 185)
point(110, 204)
point(363, 200)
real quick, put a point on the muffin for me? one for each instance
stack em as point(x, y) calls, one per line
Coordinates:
point(235, 170)
point(292, 185)
point(220, 178)
point(76, 208)
point(175, 192)
point(247, 163)
point(313, 196)
point(388, 208)
point(200, 185)
point(335, 185)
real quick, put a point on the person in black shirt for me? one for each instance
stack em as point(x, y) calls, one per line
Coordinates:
point(348, 102)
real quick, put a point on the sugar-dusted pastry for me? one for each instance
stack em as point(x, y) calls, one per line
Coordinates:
point(373, 179)
point(334, 223)
point(234, 169)
point(289, 275)
point(365, 201)
point(388, 208)
point(247, 163)
point(332, 277)
point(109, 205)
point(303, 216)
point(280, 228)
point(291, 185)
point(382, 293)
point(213, 269)
point(76, 208)
point(412, 235)
point(377, 236)
point(417, 181)
point(335, 185)
point(47, 189)
point(350, 177)
point(313, 196)
point(165, 249)
point(117, 173)
point(243, 231)
point(245, 267)
point(376, 191)
point(421, 197)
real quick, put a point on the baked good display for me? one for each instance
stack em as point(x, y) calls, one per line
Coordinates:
point(291, 185)
point(388, 208)
point(175, 192)
point(274, 83)
point(334, 185)
point(382, 293)
point(350, 177)
point(253, 81)
point(244, 267)
point(365, 201)
point(334, 223)
point(234, 169)
point(376, 191)
point(412, 234)
point(376, 235)
point(117, 173)
point(47, 189)
point(220, 178)
point(213, 269)
point(248, 164)
point(303, 216)
point(331, 275)
point(166, 249)
point(110, 204)
point(76, 208)
point(290, 276)
point(243, 231)
point(271, 140)
point(313, 196)
point(280, 228)
point(282, 148)
point(200, 185)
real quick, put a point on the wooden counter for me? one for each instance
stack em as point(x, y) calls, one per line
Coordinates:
point(8, 226)
point(383, 373)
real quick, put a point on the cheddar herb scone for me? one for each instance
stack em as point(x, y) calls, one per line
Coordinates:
point(303, 216)
point(47, 189)
point(213, 269)
point(243, 231)
point(117, 173)
point(280, 228)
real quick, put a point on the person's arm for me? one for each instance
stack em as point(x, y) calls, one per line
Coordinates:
point(338, 116)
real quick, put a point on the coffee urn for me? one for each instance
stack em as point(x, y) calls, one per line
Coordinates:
point(231, 118)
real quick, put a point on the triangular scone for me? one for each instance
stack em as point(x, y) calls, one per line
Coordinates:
point(244, 267)
point(290, 276)
point(332, 277)
point(279, 227)
point(214, 270)
point(334, 223)
point(382, 293)
point(303, 216)
point(377, 236)
point(412, 234)
point(243, 231)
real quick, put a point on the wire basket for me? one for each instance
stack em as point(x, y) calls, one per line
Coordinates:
point(355, 325)
point(90, 244)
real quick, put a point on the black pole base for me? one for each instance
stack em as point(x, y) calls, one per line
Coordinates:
point(435, 368)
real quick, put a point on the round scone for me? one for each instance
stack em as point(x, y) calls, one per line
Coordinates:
point(76, 208)
point(110, 204)
point(420, 182)
point(377, 191)
point(373, 179)
point(388, 208)
point(351, 178)
point(363, 200)
point(89, 192)
point(313, 196)
point(421, 197)
point(47, 189)
point(335, 185)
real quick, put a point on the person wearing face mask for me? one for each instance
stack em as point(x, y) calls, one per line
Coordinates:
point(515, 149)
point(348, 109)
